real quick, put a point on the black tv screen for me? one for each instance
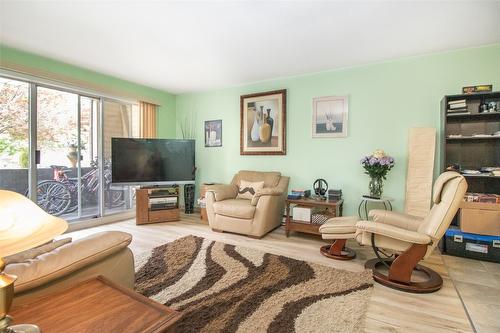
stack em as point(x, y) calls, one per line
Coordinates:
point(136, 161)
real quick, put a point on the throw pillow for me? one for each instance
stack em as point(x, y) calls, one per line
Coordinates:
point(35, 252)
point(248, 189)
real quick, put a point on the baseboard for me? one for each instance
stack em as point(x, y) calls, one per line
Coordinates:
point(95, 222)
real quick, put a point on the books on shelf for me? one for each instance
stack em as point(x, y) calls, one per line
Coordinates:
point(334, 195)
point(482, 197)
point(162, 200)
point(458, 102)
point(335, 192)
point(458, 106)
point(296, 194)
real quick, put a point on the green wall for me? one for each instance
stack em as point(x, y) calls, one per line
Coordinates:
point(385, 100)
point(36, 63)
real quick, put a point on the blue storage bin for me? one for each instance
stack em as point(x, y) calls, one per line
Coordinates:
point(472, 246)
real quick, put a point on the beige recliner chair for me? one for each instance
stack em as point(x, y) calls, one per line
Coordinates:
point(412, 238)
point(253, 218)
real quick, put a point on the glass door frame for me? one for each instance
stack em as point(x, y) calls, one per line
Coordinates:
point(33, 145)
point(128, 192)
point(34, 82)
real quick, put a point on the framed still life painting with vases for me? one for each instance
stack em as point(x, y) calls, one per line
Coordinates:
point(213, 133)
point(263, 122)
point(329, 117)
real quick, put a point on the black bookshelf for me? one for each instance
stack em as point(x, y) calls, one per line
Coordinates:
point(467, 151)
point(471, 152)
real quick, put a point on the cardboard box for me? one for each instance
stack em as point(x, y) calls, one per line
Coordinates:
point(481, 221)
point(301, 213)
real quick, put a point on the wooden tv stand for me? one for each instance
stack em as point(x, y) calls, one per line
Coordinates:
point(149, 202)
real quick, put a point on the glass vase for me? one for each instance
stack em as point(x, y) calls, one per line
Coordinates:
point(376, 187)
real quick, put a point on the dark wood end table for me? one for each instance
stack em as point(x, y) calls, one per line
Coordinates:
point(334, 209)
point(97, 305)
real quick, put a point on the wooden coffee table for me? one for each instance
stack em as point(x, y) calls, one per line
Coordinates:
point(97, 305)
point(333, 208)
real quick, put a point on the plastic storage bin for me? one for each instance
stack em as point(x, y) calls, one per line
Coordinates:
point(472, 246)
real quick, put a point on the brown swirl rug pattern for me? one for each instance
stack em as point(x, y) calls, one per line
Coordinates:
point(226, 288)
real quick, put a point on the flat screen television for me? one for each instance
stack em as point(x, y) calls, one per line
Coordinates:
point(152, 161)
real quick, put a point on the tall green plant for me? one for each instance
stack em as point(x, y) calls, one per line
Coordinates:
point(187, 126)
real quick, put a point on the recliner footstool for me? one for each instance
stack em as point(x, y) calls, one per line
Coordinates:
point(340, 229)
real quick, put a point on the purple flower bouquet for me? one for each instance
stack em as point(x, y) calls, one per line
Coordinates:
point(377, 165)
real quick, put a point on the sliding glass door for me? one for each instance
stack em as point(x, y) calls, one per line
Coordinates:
point(57, 143)
point(14, 135)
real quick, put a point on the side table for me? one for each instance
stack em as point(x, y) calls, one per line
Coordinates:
point(364, 203)
point(334, 209)
point(97, 305)
point(202, 202)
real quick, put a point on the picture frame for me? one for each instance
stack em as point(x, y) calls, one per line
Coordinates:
point(263, 123)
point(213, 133)
point(330, 117)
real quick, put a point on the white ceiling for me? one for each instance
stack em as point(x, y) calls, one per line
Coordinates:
point(184, 46)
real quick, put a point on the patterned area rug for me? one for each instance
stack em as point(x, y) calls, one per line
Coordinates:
point(225, 288)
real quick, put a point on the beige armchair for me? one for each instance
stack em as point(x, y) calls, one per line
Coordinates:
point(253, 218)
point(412, 238)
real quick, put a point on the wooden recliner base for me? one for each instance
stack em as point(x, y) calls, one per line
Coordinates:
point(338, 250)
point(401, 270)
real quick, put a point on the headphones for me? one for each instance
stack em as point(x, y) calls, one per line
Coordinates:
point(320, 187)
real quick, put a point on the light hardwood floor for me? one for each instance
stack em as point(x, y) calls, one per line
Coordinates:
point(389, 310)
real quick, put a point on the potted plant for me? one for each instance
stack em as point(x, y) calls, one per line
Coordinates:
point(73, 154)
point(377, 165)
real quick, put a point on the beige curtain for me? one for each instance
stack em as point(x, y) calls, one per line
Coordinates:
point(147, 120)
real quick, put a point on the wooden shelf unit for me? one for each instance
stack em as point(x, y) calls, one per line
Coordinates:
point(474, 138)
point(477, 116)
point(472, 152)
point(332, 208)
point(146, 214)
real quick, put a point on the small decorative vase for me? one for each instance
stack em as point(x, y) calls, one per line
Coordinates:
point(270, 120)
point(254, 134)
point(376, 187)
point(265, 133)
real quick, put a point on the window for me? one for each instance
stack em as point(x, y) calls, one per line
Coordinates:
point(67, 129)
